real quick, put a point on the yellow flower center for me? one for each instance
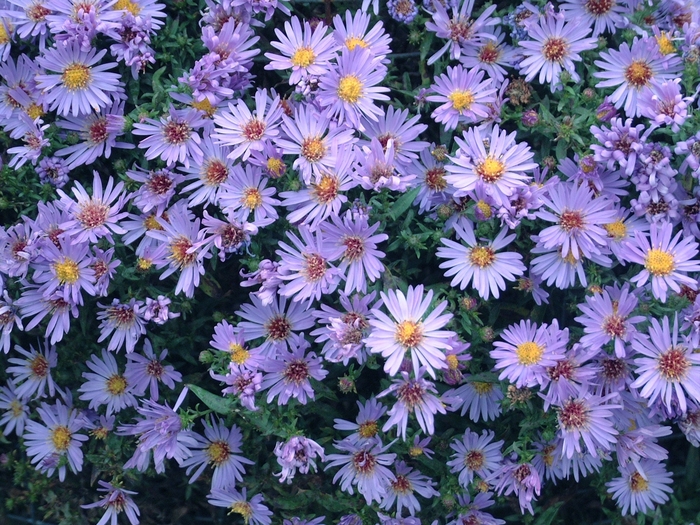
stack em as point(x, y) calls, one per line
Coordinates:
point(144, 264)
point(659, 262)
point(303, 57)
point(204, 106)
point(76, 76)
point(665, 44)
point(34, 111)
point(350, 89)
point(243, 508)
point(484, 208)
point(218, 452)
point(452, 362)
point(414, 451)
point(638, 483)
point(490, 170)
point(482, 388)
point(67, 271)
point(127, 5)
point(60, 437)
point(352, 42)
point(151, 223)
point(4, 35)
point(239, 355)
point(617, 230)
point(529, 353)
point(638, 74)
point(461, 99)
point(368, 429)
point(275, 166)
point(116, 385)
point(313, 149)
point(482, 256)
point(17, 408)
point(409, 334)
point(326, 190)
point(99, 433)
point(252, 198)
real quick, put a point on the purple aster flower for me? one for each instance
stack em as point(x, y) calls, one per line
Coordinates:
point(304, 51)
point(526, 351)
point(366, 427)
point(16, 250)
point(53, 170)
point(402, 491)
point(146, 371)
point(533, 284)
point(404, 11)
point(242, 383)
point(633, 69)
point(689, 424)
point(606, 317)
point(621, 144)
point(377, 168)
point(364, 466)
point(479, 264)
point(32, 375)
point(289, 374)
point(691, 149)
point(578, 218)
point(33, 303)
point(104, 267)
point(353, 34)
point(500, 169)
point(124, 322)
point(246, 192)
point(666, 261)
point(417, 396)
point(252, 511)
point(34, 143)
point(173, 138)
point(9, 318)
point(78, 84)
point(570, 374)
point(244, 131)
point(434, 189)
point(475, 454)
point(207, 174)
point(403, 131)
point(105, 385)
point(297, 452)
point(473, 514)
point(634, 445)
point(604, 16)
point(562, 271)
point(408, 331)
point(94, 216)
point(158, 310)
point(614, 374)
point(664, 104)
point(490, 55)
point(276, 321)
point(343, 332)
point(666, 368)
point(522, 479)
point(481, 399)
point(157, 188)
point(548, 461)
point(463, 94)
point(55, 438)
point(15, 408)
point(350, 89)
point(621, 231)
point(227, 237)
point(305, 266)
point(116, 501)
point(227, 340)
point(220, 449)
point(636, 493)
point(270, 160)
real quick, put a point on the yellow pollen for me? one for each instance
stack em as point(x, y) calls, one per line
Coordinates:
point(414, 452)
point(76, 76)
point(665, 44)
point(569, 258)
point(116, 385)
point(350, 89)
point(313, 149)
point(251, 198)
point(659, 262)
point(485, 209)
point(638, 74)
point(67, 271)
point(303, 57)
point(204, 106)
point(368, 429)
point(239, 355)
point(452, 362)
point(529, 353)
point(638, 483)
point(617, 230)
point(144, 264)
point(99, 433)
point(490, 170)
point(16, 408)
point(242, 508)
point(151, 223)
point(127, 5)
point(482, 388)
point(275, 166)
point(218, 452)
point(352, 42)
point(60, 437)
point(34, 111)
point(461, 100)
point(4, 35)
point(409, 334)
point(482, 256)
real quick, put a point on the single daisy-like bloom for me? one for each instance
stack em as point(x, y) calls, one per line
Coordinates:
point(34, 303)
point(56, 437)
point(413, 395)
point(667, 368)
point(16, 411)
point(207, 176)
point(353, 34)
point(363, 466)
point(606, 317)
point(366, 427)
point(479, 263)
point(395, 125)
point(157, 188)
point(173, 138)
point(604, 15)
point(632, 69)
point(123, 321)
point(408, 331)
point(244, 131)
point(252, 511)
point(304, 51)
point(220, 449)
point(246, 192)
point(227, 340)
point(666, 261)
point(475, 454)
point(146, 371)
point(490, 55)
point(579, 218)
point(402, 490)
point(464, 95)
point(589, 418)
point(32, 375)
point(665, 104)
point(77, 84)
point(521, 479)
point(500, 170)
point(526, 351)
point(482, 400)
point(554, 47)
point(105, 385)
point(349, 90)
point(116, 501)
point(289, 374)
point(637, 492)
point(276, 321)
point(298, 452)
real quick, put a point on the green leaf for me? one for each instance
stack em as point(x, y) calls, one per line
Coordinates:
point(216, 403)
point(403, 203)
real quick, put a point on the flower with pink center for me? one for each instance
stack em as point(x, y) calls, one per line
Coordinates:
point(116, 501)
point(298, 452)
point(158, 186)
point(32, 375)
point(124, 322)
point(521, 479)
point(207, 175)
point(145, 372)
point(475, 454)
point(402, 490)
